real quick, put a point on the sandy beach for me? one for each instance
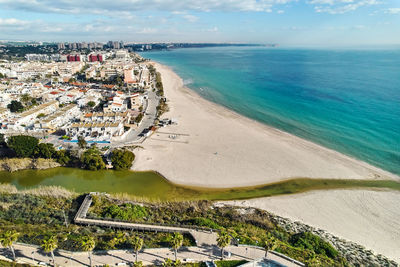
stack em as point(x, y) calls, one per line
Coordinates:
point(212, 146)
point(369, 218)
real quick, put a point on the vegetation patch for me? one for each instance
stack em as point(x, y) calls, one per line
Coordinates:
point(126, 212)
point(232, 263)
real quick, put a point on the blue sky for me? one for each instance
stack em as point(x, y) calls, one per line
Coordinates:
point(287, 22)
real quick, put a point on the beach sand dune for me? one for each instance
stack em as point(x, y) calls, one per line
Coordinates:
point(369, 218)
point(212, 146)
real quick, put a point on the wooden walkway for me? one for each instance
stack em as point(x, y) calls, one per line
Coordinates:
point(201, 235)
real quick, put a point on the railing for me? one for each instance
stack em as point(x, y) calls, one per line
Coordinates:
point(286, 258)
point(80, 218)
point(185, 226)
point(83, 209)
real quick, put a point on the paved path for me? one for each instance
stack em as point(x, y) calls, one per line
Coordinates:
point(33, 255)
point(147, 121)
point(206, 249)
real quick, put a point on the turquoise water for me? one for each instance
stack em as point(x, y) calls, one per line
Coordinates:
point(347, 100)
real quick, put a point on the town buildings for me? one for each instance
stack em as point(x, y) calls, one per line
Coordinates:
point(55, 102)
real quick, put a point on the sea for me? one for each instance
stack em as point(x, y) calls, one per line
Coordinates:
point(344, 99)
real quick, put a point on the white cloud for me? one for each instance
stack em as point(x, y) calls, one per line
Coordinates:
point(393, 10)
point(190, 18)
point(13, 22)
point(280, 11)
point(147, 31)
point(213, 29)
point(104, 6)
point(340, 6)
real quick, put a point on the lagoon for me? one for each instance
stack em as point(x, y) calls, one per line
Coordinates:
point(154, 187)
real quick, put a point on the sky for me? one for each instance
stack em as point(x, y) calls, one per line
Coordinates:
point(286, 22)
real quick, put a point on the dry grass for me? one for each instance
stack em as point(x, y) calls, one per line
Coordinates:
point(43, 191)
point(8, 188)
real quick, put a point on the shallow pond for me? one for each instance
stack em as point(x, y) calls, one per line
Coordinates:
point(153, 186)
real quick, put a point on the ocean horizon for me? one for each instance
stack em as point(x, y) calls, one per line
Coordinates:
point(345, 99)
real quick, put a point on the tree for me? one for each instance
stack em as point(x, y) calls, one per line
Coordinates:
point(270, 244)
point(2, 141)
point(45, 150)
point(87, 244)
point(170, 263)
point(15, 106)
point(138, 264)
point(63, 157)
point(41, 115)
point(137, 244)
point(176, 242)
point(91, 104)
point(91, 160)
point(82, 142)
point(49, 245)
point(23, 145)
point(25, 98)
point(223, 240)
point(122, 159)
point(7, 239)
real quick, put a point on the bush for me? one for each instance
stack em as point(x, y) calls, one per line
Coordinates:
point(139, 118)
point(230, 263)
point(122, 159)
point(92, 160)
point(312, 242)
point(15, 106)
point(126, 212)
point(23, 146)
point(205, 222)
point(45, 150)
point(63, 157)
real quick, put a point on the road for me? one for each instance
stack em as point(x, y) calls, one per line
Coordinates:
point(147, 121)
point(33, 255)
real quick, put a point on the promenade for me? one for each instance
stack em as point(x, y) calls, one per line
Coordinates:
point(206, 249)
point(34, 255)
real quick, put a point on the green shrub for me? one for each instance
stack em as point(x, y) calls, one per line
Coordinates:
point(205, 222)
point(126, 212)
point(122, 159)
point(91, 160)
point(312, 242)
point(24, 146)
point(232, 263)
point(45, 150)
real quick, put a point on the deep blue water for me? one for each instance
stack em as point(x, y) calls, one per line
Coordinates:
point(347, 100)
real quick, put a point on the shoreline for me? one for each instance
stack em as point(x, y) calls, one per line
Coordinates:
point(192, 162)
point(288, 148)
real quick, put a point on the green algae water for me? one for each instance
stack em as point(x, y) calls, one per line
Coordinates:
point(152, 186)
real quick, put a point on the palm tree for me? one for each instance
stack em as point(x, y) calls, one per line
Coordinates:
point(176, 241)
point(88, 244)
point(270, 244)
point(223, 240)
point(137, 244)
point(167, 263)
point(138, 264)
point(49, 245)
point(7, 239)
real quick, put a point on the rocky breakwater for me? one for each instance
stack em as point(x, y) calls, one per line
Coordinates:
point(16, 164)
point(355, 254)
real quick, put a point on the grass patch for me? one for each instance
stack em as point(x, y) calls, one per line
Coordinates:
point(293, 186)
point(232, 263)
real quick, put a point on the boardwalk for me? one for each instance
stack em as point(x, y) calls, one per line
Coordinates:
point(202, 236)
point(206, 249)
